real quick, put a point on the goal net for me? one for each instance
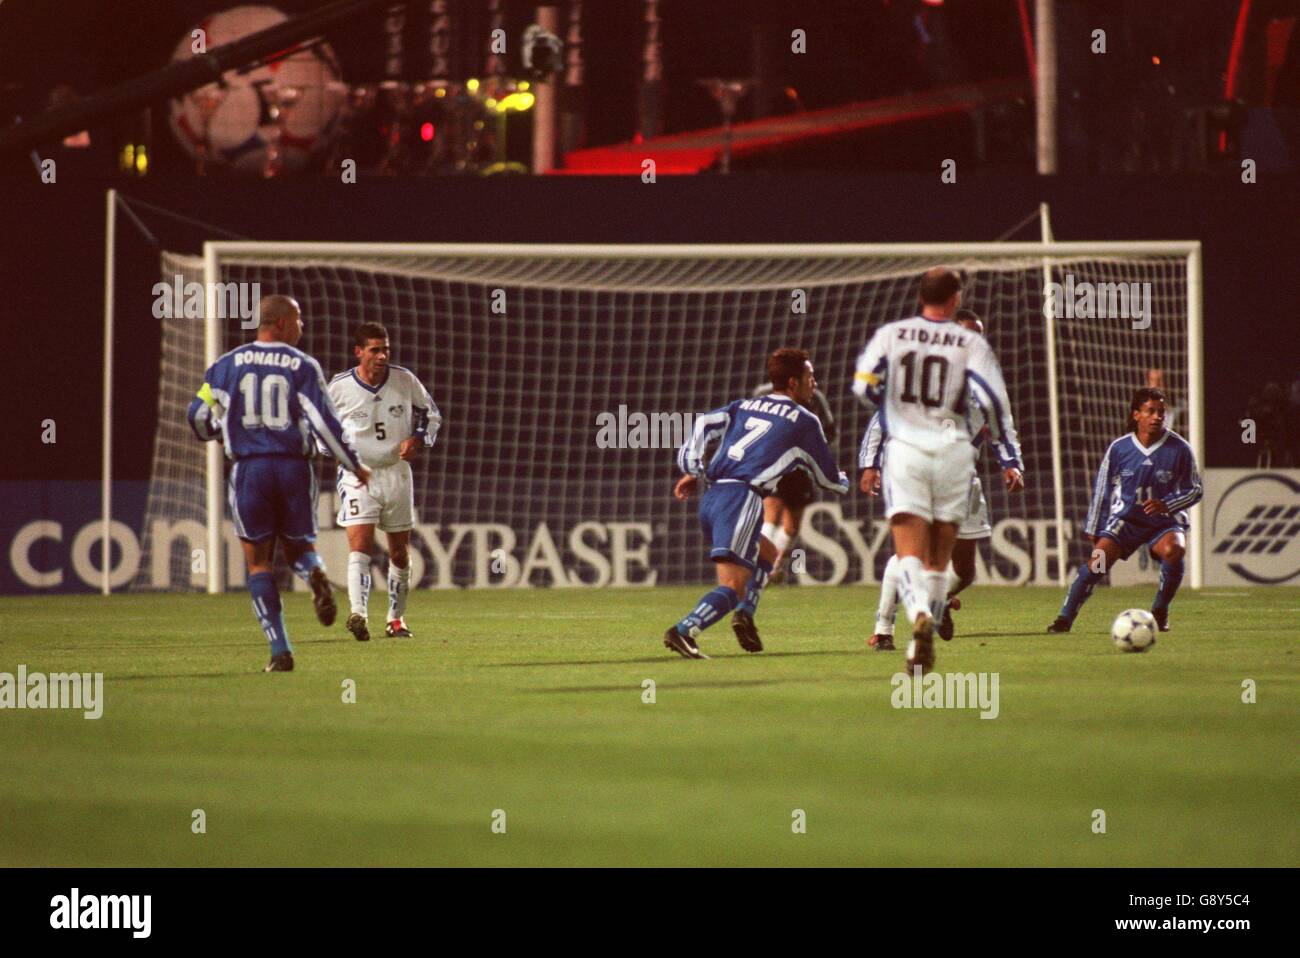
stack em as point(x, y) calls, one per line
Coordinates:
point(567, 376)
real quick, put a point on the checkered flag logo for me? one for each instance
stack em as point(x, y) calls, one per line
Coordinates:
point(1265, 529)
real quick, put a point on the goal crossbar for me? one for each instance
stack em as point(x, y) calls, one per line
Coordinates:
point(1051, 254)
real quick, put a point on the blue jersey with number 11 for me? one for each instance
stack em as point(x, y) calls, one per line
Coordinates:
point(267, 399)
point(1131, 473)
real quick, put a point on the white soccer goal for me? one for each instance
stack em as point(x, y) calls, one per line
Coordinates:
point(524, 347)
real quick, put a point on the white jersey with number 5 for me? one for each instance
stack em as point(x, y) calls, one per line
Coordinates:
point(918, 372)
point(378, 419)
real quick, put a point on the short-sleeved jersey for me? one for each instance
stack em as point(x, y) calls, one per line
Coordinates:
point(920, 372)
point(1131, 473)
point(268, 399)
point(378, 419)
point(1006, 449)
point(762, 440)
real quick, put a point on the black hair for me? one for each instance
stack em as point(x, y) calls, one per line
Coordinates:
point(1140, 398)
point(368, 331)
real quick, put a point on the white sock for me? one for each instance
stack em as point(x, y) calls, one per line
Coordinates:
point(937, 585)
point(769, 530)
point(912, 587)
point(781, 539)
point(359, 581)
point(399, 583)
point(888, 607)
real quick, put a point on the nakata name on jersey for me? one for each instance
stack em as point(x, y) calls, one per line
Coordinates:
point(786, 409)
point(759, 441)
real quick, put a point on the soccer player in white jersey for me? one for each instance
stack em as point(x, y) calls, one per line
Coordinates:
point(975, 526)
point(919, 371)
point(390, 415)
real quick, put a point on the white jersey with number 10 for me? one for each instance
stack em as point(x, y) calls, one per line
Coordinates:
point(918, 371)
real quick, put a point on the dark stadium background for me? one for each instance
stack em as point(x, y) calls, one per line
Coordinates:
point(878, 188)
point(52, 250)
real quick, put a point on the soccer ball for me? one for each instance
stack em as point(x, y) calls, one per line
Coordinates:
point(238, 123)
point(1134, 630)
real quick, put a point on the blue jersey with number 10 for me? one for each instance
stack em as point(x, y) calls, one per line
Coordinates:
point(267, 399)
point(762, 440)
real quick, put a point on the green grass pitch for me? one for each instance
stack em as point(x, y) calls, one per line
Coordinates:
point(530, 702)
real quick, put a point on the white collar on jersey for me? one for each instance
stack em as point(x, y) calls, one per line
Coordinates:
point(778, 396)
point(1143, 449)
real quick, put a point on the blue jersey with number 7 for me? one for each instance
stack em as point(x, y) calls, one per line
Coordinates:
point(762, 439)
point(267, 399)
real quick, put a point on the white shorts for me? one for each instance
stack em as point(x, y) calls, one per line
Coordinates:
point(976, 525)
point(933, 485)
point(388, 502)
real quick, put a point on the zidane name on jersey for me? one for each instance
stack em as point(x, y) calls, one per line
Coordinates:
point(923, 373)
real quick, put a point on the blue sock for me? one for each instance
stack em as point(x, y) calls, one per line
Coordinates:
point(1080, 589)
point(755, 588)
point(267, 608)
point(709, 609)
point(303, 565)
point(1171, 577)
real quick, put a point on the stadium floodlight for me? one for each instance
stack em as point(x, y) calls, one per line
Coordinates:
point(523, 346)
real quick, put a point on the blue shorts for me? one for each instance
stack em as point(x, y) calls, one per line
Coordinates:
point(1131, 535)
point(273, 496)
point(731, 515)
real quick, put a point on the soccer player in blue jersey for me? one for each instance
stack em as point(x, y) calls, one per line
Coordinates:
point(264, 400)
point(762, 439)
point(1147, 480)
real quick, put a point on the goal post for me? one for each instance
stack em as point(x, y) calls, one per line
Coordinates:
point(1196, 405)
point(585, 330)
point(214, 452)
point(1053, 403)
